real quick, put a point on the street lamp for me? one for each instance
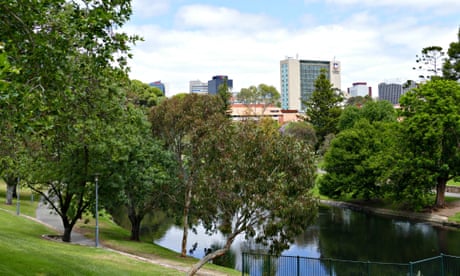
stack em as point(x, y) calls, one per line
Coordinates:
point(96, 179)
point(18, 206)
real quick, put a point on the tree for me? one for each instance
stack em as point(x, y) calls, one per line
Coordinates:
point(323, 108)
point(183, 123)
point(301, 130)
point(431, 125)
point(66, 97)
point(451, 68)
point(264, 95)
point(142, 94)
point(224, 94)
point(430, 61)
point(142, 179)
point(258, 182)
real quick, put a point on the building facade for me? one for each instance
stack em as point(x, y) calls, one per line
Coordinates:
point(198, 86)
point(390, 92)
point(159, 85)
point(297, 78)
point(360, 89)
point(213, 85)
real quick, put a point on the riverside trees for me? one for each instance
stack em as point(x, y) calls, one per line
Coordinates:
point(67, 93)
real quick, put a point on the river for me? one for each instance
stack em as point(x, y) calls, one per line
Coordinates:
point(343, 234)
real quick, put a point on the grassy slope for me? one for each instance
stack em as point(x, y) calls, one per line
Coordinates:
point(111, 235)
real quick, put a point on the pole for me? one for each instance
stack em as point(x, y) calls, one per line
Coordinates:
point(18, 205)
point(97, 215)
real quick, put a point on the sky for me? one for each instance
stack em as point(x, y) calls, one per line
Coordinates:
point(375, 40)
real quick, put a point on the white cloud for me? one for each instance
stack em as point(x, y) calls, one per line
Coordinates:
point(209, 41)
point(150, 8)
point(211, 17)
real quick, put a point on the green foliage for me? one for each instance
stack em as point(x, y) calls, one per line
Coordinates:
point(260, 182)
point(301, 130)
point(451, 67)
point(263, 94)
point(430, 61)
point(323, 108)
point(373, 111)
point(430, 137)
point(142, 94)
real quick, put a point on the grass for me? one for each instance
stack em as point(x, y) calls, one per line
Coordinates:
point(452, 182)
point(27, 251)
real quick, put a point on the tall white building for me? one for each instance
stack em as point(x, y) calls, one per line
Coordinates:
point(198, 86)
point(298, 79)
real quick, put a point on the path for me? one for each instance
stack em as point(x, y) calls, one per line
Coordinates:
point(52, 220)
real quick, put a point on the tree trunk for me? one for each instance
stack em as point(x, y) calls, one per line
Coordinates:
point(188, 199)
point(67, 234)
point(135, 220)
point(440, 192)
point(206, 259)
point(9, 193)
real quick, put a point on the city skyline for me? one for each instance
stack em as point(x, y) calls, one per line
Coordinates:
point(188, 40)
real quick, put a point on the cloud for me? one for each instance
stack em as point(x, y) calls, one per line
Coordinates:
point(212, 17)
point(211, 40)
point(150, 8)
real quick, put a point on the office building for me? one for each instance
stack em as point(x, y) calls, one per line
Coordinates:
point(213, 85)
point(298, 80)
point(390, 92)
point(360, 89)
point(198, 86)
point(159, 85)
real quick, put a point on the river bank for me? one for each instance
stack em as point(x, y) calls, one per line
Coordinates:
point(439, 217)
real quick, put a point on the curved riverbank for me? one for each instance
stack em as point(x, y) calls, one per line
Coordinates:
point(435, 218)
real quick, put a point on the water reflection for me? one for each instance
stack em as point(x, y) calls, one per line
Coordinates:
point(344, 234)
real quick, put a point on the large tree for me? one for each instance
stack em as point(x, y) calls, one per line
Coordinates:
point(430, 61)
point(323, 108)
point(451, 68)
point(184, 122)
point(263, 95)
point(66, 97)
point(256, 182)
point(431, 125)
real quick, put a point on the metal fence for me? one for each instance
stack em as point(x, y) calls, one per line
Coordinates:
point(268, 265)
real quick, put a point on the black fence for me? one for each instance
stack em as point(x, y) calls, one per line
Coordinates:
point(269, 265)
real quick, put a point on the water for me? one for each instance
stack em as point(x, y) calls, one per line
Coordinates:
point(344, 234)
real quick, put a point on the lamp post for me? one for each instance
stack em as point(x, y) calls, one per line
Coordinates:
point(18, 206)
point(96, 179)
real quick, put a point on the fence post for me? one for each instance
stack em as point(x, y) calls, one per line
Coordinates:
point(368, 268)
point(411, 269)
point(242, 264)
point(442, 264)
point(298, 266)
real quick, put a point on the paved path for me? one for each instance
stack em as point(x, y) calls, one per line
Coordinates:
point(50, 218)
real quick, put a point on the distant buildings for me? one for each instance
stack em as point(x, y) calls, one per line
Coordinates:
point(360, 89)
point(159, 85)
point(198, 87)
point(213, 85)
point(393, 91)
point(258, 111)
point(298, 80)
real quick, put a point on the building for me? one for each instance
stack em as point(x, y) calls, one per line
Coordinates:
point(298, 79)
point(360, 89)
point(198, 86)
point(213, 85)
point(390, 92)
point(159, 85)
point(258, 111)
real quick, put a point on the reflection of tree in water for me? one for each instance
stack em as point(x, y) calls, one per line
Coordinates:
point(227, 260)
point(154, 226)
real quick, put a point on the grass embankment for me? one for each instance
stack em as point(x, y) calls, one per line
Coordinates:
point(25, 252)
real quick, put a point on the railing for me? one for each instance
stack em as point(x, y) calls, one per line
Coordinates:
point(269, 265)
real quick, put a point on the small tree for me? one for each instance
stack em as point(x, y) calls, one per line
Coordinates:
point(430, 61)
point(323, 109)
point(256, 182)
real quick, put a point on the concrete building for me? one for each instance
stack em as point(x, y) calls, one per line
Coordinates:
point(258, 111)
point(390, 92)
point(213, 85)
point(298, 79)
point(198, 86)
point(360, 89)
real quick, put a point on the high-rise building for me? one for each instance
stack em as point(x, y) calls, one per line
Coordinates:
point(360, 89)
point(213, 85)
point(390, 92)
point(298, 79)
point(198, 86)
point(159, 85)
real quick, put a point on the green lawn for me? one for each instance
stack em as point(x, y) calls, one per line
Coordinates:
point(28, 252)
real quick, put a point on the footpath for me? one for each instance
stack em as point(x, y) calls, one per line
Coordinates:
point(49, 218)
